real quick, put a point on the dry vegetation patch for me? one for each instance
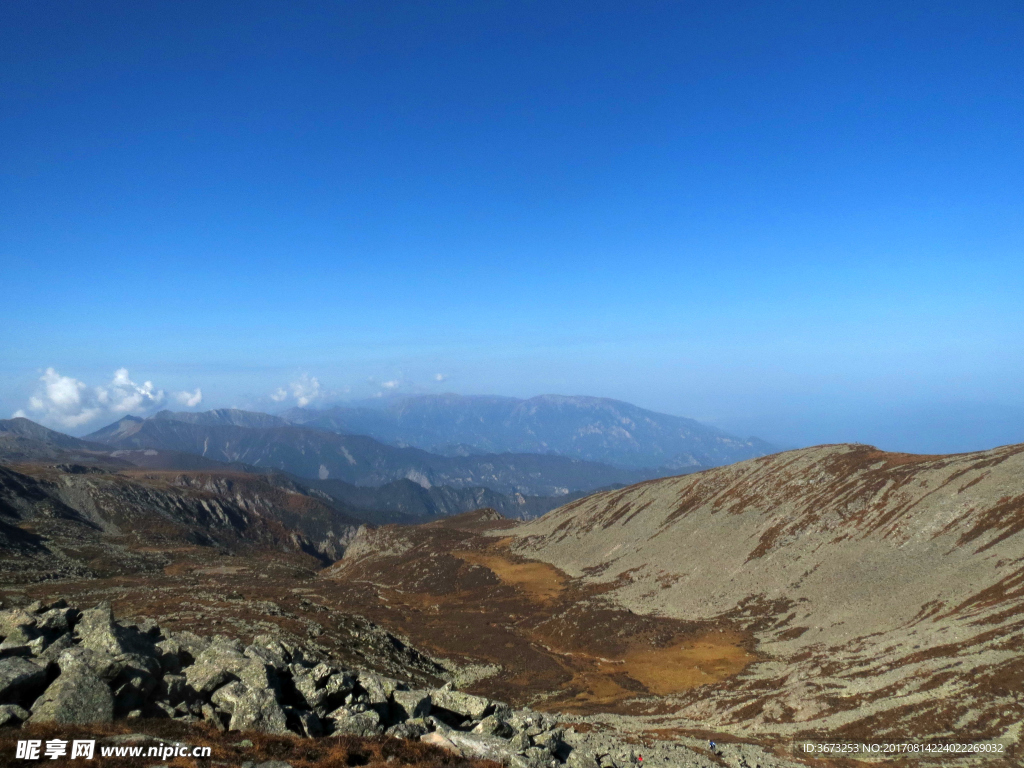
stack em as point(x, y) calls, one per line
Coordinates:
point(232, 748)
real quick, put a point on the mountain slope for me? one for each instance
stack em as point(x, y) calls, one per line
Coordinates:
point(885, 591)
point(89, 520)
point(586, 428)
point(408, 502)
point(361, 460)
point(22, 440)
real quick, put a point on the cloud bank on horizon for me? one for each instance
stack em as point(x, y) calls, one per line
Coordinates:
point(68, 402)
point(304, 390)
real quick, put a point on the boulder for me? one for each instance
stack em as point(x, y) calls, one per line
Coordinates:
point(77, 696)
point(406, 705)
point(481, 747)
point(551, 740)
point(55, 621)
point(304, 722)
point(270, 650)
point(258, 710)
point(13, 618)
point(204, 679)
point(53, 651)
point(378, 688)
point(225, 697)
point(493, 725)
point(534, 757)
point(313, 697)
point(467, 705)
point(407, 730)
point(13, 714)
point(520, 742)
point(169, 653)
point(100, 663)
point(439, 740)
point(17, 641)
point(356, 723)
point(98, 631)
point(250, 709)
point(20, 680)
point(580, 759)
point(172, 688)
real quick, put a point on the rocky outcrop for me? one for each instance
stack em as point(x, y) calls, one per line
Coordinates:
point(78, 667)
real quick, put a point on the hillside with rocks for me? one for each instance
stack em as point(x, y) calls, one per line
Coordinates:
point(884, 592)
point(61, 665)
point(832, 593)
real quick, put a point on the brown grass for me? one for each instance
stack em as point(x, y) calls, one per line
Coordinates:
point(329, 752)
point(540, 581)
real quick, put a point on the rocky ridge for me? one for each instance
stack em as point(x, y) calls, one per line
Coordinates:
point(67, 666)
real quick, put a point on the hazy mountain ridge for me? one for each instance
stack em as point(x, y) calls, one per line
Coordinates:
point(586, 428)
point(362, 460)
point(397, 501)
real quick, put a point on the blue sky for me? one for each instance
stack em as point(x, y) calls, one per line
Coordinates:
point(799, 220)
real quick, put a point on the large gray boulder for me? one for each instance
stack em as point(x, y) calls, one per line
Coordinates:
point(100, 663)
point(18, 641)
point(467, 705)
point(251, 709)
point(77, 696)
point(493, 725)
point(313, 696)
point(13, 714)
point(13, 618)
point(20, 680)
point(581, 759)
point(356, 723)
point(304, 722)
point(551, 740)
point(406, 705)
point(224, 661)
point(534, 757)
point(98, 631)
point(56, 621)
point(480, 746)
point(269, 650)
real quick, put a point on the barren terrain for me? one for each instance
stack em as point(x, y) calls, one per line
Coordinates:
point(836, 592)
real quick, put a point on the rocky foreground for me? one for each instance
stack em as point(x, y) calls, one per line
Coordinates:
point(69, 667)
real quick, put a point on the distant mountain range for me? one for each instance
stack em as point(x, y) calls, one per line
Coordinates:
point(409, 458)
point(361, 460)
point(23, 442)
point(586, 428)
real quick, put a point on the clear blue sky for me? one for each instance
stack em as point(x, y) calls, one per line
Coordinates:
point(800, 220)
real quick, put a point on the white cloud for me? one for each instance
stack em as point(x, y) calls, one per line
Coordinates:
point(68, 402)
point(440, 377)
point(189, 399)
point(390, 385)
point(124, 395)
point(19, 414)
point(305, 390)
